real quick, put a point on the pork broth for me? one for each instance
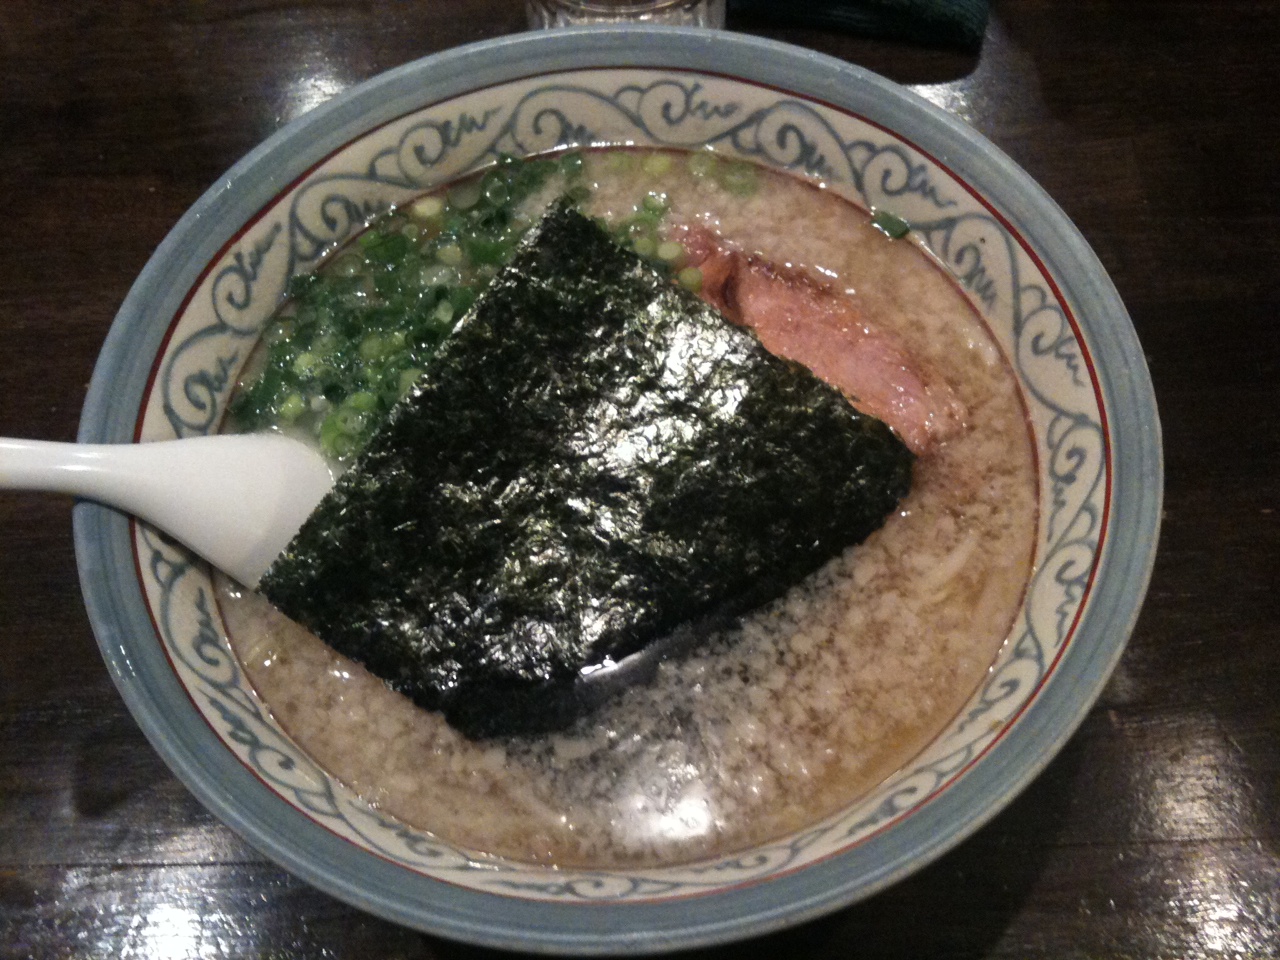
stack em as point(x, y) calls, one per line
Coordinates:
point(804, 706)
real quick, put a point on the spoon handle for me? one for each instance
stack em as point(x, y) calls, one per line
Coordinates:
point(74, 468)
point(135, 477)
point(235, 500)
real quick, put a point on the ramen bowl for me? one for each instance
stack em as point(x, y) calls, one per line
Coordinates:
point(191, 320)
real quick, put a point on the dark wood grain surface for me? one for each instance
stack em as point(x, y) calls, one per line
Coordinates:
point(1156, 832)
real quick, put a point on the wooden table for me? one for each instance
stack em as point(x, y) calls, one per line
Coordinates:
point(1156, 833)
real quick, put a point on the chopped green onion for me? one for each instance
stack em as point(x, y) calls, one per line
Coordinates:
point(383, 247)
point(619, 161)
point(362, 401)
point(703, 164)
point(571, 165)
point(427, 208)
point(407, 380)
point(483, 251)
point(495, 191)
point(578, 194)
point(443, 312)
point(464, 196)
point(349, 419)
point(656, 164)
point(305, 363)
point(890, 224)
point(372, 347)
point(670, 251)
point(438, 275)
point(450, 255)
point(462, 298)
point(347, 265)
point(690, 278)
point(292, 407)
point(642, 221)
point(739, 178)
point(334, 440)
point(655, 203)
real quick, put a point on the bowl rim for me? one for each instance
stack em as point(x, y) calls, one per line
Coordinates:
point(109, 573)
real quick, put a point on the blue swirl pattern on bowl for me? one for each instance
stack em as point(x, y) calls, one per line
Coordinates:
point(197, 309)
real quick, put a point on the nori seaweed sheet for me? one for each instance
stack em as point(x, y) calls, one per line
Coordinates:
point(594, 460)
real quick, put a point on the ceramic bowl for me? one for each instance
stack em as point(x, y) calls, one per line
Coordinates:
point(193, 315)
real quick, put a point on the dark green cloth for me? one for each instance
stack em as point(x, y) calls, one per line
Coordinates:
point(949, 23)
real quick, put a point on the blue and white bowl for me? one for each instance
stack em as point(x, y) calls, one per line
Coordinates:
point(193, 316)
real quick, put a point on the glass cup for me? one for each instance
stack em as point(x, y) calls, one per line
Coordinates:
point(571, 13)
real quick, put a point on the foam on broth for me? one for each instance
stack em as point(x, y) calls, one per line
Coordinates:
point(812, 701)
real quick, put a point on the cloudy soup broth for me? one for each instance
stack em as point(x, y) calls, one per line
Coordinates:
point(809, 702)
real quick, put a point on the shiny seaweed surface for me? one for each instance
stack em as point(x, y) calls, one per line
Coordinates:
point(593, 460)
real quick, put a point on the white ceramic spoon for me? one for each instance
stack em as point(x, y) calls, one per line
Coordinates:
point(236, 500)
